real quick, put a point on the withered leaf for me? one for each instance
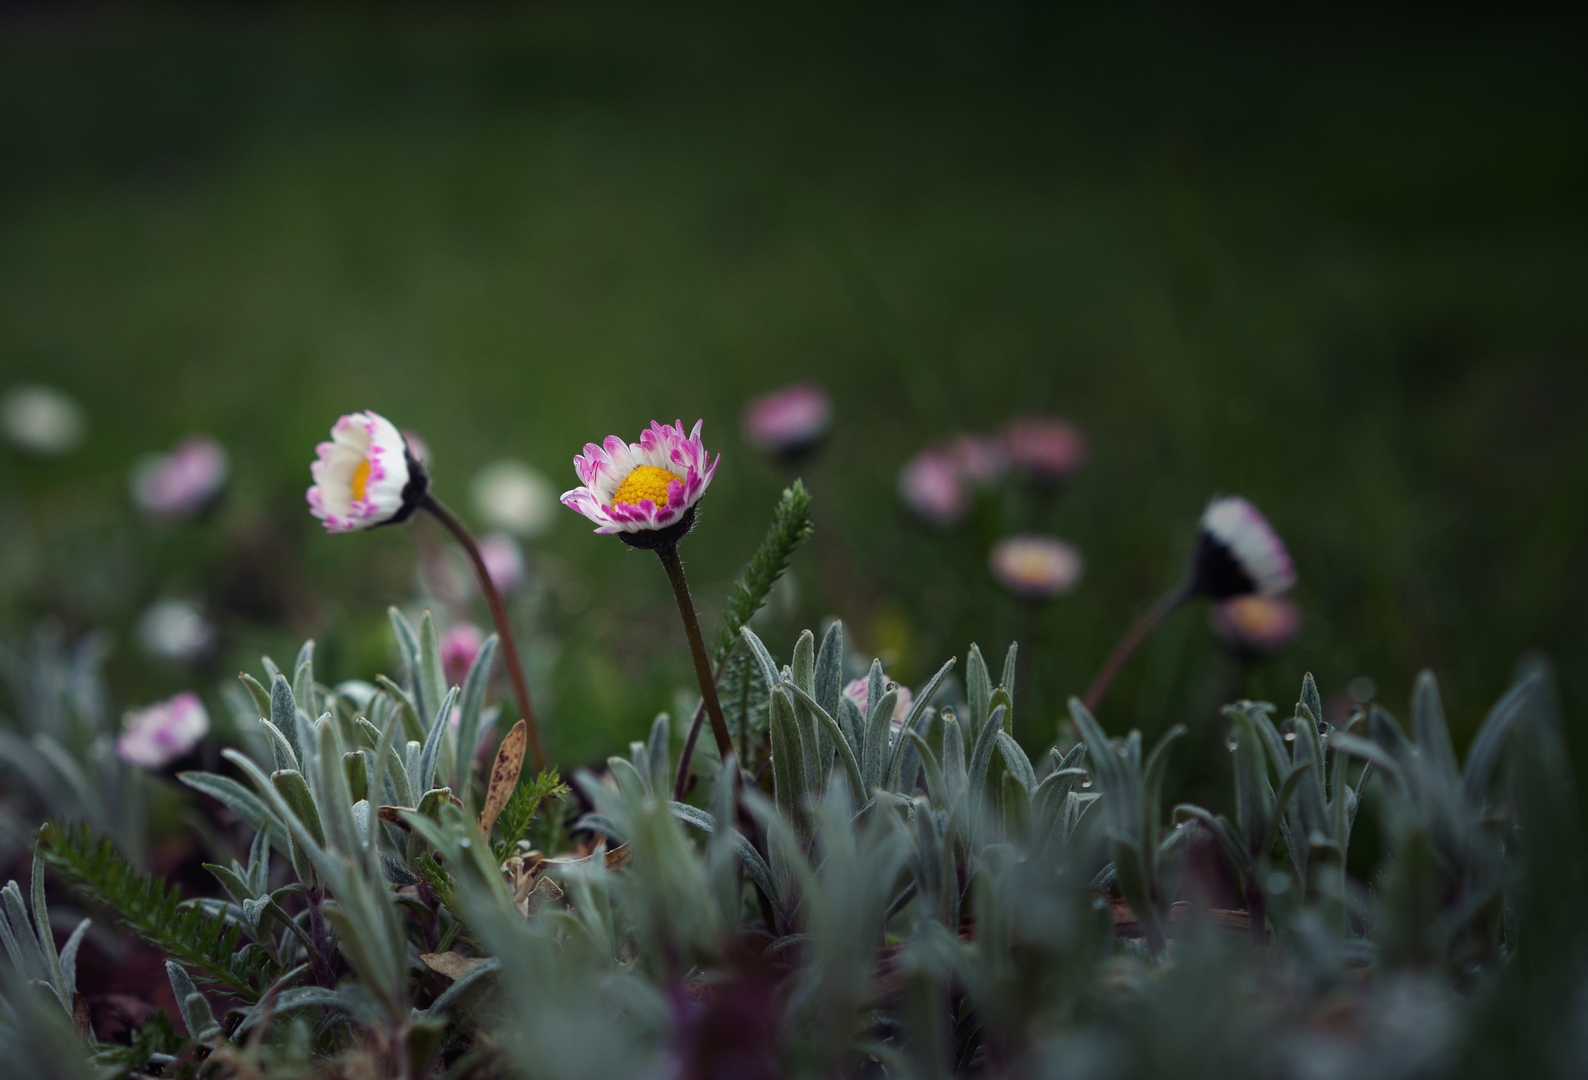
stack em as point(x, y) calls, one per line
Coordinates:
point(453, 965)
point(504, 775)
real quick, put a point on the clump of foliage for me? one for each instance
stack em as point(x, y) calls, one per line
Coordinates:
point(860, 893)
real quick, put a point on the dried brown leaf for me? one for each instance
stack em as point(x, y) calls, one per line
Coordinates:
point(504, 775)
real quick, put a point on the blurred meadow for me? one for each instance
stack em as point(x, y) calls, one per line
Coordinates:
point(1333, 263)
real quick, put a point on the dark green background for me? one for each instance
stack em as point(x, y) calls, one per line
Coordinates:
point(1335, 263)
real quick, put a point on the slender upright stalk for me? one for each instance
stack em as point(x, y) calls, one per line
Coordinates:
point(504, 629)
point(668, 553)
point(1128, 645)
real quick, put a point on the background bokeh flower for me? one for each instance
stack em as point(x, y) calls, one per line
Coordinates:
point(176, 630)
point(183, 482)
point(159, 734)
point(1044, 449)
point(41, 420)
point(787, 422)
point(1036, 566)
point(1262, 624)
point(514, 497)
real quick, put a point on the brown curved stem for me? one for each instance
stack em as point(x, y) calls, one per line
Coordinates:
point(1129, 643)
point(504, 629)
point(668, 553)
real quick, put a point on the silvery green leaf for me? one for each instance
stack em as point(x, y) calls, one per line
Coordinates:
point(828, 676)
point(432, 683)
point(300, 997)
point(1484, 752)
point(657, 752)
point(981, 756)
point(628, 778)
point(1152, 782)
point(396, 872)
point(284, 715)
point(69, 960)
point(41, 926)
point(1386, 733)
point(236, 886)
point(978, 690)
point(1009, 671)
point(1018, 764)
point(802, 670)
point(954, 776)
point(303, 679)
point(21, 943)
point(470, 706)
point(788, 765)
point(846, 753)
point(408, 712)
point(1428, 725)
point(253, 909)
point(431, 752)
point(875, 738)
point(240, 801)
point(924, 698)
point(1311, 699)
point(852, 722)
point(763, 658)
point(260, 696)
point(271, 670)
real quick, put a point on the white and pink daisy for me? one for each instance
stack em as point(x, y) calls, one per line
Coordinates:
point(1262, 624)
point(183, 482)
point(159, 734)
point(1239, 553)
point(788, 422)
point(930, 484)
point(858, 692)
point(365, 476)
point(1040, 567)
point(631, 489)
point(1049, 450)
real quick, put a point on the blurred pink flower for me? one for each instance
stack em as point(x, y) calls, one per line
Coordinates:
point(930, 484)
point(857, 692)
point(1259, 623)
point(183, 482)
point(157, 735)
point(1045, 449)
point(459, 646)
point(1036, 566)
point(504, 561)
point(976, 458)
point(789, 421)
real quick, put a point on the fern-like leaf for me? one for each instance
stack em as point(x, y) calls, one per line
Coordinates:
point(791, 527)
point(152, 909)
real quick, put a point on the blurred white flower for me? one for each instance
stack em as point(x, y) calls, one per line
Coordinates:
point(512, 496)
point(504, 561)
point(41, 420)
point(365, 476)
point(1036, 566)
point(158, 734)
point(175, 630)
point(1238, 553)
point(183, 482)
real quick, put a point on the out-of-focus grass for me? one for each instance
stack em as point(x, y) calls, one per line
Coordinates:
point(1337, 268)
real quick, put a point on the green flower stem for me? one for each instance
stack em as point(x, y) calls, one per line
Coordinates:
point(668, 553)
point(504, 629)
point(1131, 641)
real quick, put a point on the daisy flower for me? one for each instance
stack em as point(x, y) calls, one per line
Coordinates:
point(930, 484)
point(159, 734)
point(1262, 624)
point(1046, 450)
point(1239, 553)
point(788, 422)
point(644, 492)
point(1040, 567)
point(183, 482)
point(365, 476)
point(370, 474)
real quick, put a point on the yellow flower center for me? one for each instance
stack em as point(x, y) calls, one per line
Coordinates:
point(361, 479)
point(645, 482)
